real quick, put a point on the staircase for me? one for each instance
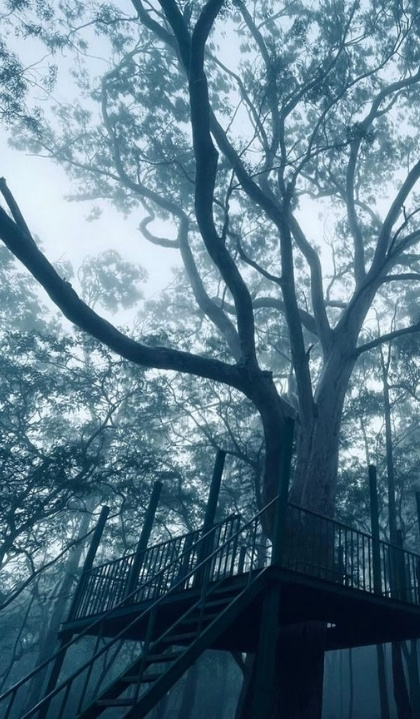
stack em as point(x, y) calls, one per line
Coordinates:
point(209, 589)
point(168, 648)
point(165, 659)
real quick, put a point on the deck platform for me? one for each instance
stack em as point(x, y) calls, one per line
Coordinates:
point(223, 587)
point(354, 617)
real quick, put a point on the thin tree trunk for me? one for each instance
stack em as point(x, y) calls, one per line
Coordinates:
point(382, 682)
point(49, 642)
point(351, 684)
point(413, 679)
point(189, 693)
point(245, 698)
point(402, 699)
point(223, 666)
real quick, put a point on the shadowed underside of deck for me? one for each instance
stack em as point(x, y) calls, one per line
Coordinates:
point(355, 618)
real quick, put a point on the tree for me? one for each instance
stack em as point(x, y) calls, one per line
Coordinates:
point(231, 155)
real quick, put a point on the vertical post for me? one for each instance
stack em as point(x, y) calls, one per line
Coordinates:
point(144, 538)
point(66, 637)
point(87, 565)
point(281, 504)
point(264, 679)
point(206, 546)
point(374, 523)
point(402, 585)
point(214, 490)
point(418, 509)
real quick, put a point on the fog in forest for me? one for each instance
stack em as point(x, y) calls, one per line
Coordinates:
point(209, 321)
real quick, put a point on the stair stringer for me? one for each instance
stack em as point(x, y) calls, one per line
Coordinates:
point(141, 706)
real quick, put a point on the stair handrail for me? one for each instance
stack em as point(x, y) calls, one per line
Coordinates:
point(99, 620)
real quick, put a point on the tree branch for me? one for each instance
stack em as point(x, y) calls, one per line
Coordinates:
point(150, 237)
point(317, 292)
point(192, 52)
point(359, 250)
point(67, 300)
point(387, 338)
point(393, 212)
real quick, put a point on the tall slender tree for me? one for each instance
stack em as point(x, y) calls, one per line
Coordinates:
point(317, 111)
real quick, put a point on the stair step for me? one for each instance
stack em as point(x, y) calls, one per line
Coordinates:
point(174, 638)
point(217, 603)
point(146, 678)
point(193, 620)
point(115, 702)
point(160, 658)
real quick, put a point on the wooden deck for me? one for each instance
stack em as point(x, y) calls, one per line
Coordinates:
point(355, 618)
point(217, 589)
point(327, 574)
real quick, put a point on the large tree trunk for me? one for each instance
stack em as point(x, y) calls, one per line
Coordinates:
point(315, 479)
point(300, 656)
point(300, 671)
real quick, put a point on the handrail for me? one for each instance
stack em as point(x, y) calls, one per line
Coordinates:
point(339, 523)
point(135, 621)
point(348, 527)
point(103, 617)
point(328, 519)
point(178, 538)
point(359, 578)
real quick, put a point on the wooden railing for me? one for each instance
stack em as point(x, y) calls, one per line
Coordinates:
point(312, 545)
point(332, 551)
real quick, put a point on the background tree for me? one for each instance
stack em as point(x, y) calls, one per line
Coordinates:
point(231, 154)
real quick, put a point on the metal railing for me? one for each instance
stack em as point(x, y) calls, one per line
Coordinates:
point(214, 562)
point(311, 544)
point(329, 550)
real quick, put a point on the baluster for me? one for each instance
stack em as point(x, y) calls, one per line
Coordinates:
point(241, 560)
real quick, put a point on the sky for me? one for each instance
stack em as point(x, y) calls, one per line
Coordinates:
point(40, 186)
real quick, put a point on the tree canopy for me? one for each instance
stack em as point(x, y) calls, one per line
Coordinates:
point(274, 147)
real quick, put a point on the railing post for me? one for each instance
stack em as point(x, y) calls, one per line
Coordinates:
point(418, 509)
point(401, 578)
point(374, 523)
point(88, 563)
point(66, 637)
point(281, 504)
point(205, 547)
point(144, 538)
point(264, 681)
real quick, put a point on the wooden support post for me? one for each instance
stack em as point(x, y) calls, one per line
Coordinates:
point(263, 691)
point(133, 576)
point(401, 578)
point(87, 565)
point(374, 523)
point(418, 509)
point(281, 504)
point(206, 546)
point(214, 490)
point(66, 636)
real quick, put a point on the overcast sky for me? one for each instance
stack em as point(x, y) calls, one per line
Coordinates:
point(39, 187)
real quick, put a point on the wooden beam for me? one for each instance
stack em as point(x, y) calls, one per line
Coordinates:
point(144, 538)
point(374, 523)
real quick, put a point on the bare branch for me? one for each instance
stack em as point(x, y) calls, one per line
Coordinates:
point(150, 237)
point(65, 297)
point(387, 338)
point(317, 292)
point(392, 216)
point(192, 52)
